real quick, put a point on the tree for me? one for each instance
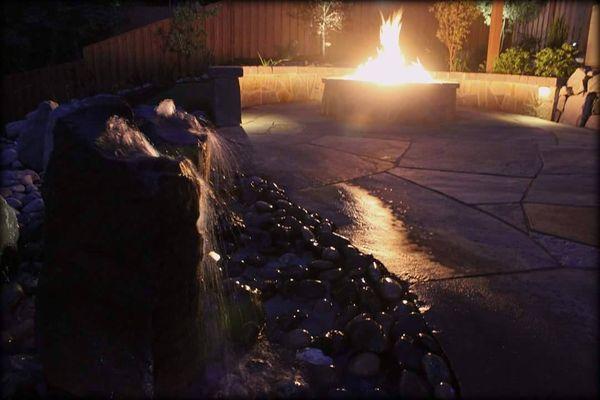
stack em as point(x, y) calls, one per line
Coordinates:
point(324, 16)
point(455, 19)
point(514, 11)
point(187, 34)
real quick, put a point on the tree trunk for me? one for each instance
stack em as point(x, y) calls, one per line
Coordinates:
point(323, 44)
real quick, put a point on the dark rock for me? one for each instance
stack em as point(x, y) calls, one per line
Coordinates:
point(366, 334)
point(9, 227)
point(335, 342)
point(436, 369)
point(289, 389)
point(375, 272)
point(412, 386)
point(297, 339)
point(307, 234)
point(345, 292)
point(263, 206)
point(364, 365)
point(444, 391)
point(368, 299)
point(117, 305)
point(385, 320)
point(332, 274)
point(339, 393)
point(412, 325)
point(323, 376)
point(330, 254)
point(321, 265)
point(7, 157)
point(291, 320)
point(348, 313)
point(12, 294)
point(294, 271)
point(390, 290)
point(311, 289)
point(333, 239)
point(407, 354)
point(35, 205)
point(283, 204)
point(429, 343)
point(31, 142)
point(14, 203)
point(358, 260)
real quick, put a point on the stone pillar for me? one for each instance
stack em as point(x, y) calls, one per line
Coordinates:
point(225, 102)
point(495, 35)
point(592, 53)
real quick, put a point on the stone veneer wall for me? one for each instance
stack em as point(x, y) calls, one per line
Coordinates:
point(509, 93)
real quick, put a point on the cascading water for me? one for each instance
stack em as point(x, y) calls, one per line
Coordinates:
point(121, 139)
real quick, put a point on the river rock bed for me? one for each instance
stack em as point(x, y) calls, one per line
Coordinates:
point(331, 321)
point(349, 326)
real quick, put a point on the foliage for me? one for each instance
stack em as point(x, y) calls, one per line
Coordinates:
point(324, 17)
point(558, 62)
point(455, 19)
point(514, 11)
point(514, 61)
point(187, 34)
point(268, 62)
point(558, 33)
point(288, 52)
point(41, 33)
point(529, 42)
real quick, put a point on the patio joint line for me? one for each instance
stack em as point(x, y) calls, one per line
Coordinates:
point(479, 210)
point(466, 172)
point(527, 220)
point(514, 272)
point(346, 151)
point(349, 180)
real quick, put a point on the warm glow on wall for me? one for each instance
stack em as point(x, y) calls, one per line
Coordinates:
point(544, 92)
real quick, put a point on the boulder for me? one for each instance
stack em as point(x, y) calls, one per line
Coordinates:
point(9, 227)
point(593, 84)
point(31, 141)
point(573, 110)
point(117, 303)
point(575, 81)
point(106, 104)
point(173, 131)
point(593, 122)
point(364, 365)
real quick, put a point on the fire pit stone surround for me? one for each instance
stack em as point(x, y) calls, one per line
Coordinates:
point(495, 92)
point(410, 102)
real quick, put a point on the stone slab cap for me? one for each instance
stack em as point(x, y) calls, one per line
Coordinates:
point(225, 72)
point(576, 81)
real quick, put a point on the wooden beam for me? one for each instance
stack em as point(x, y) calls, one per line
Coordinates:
point(495, 36)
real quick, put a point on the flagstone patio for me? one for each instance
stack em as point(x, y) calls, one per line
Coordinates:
point(493, 218)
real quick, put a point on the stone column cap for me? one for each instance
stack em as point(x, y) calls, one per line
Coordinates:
point(225, 72)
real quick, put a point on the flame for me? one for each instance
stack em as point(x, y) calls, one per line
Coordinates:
point(390, 66)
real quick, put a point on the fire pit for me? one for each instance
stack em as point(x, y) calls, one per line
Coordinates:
point(387, 88)
point(371, 102)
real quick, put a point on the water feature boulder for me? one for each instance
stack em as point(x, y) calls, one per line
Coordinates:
point(117, 303)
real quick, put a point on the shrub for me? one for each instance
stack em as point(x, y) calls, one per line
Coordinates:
point(515, 61)
point(454, 24)
point(558, 62)
point(558, 33)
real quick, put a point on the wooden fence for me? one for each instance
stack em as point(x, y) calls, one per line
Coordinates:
point(576, 14)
